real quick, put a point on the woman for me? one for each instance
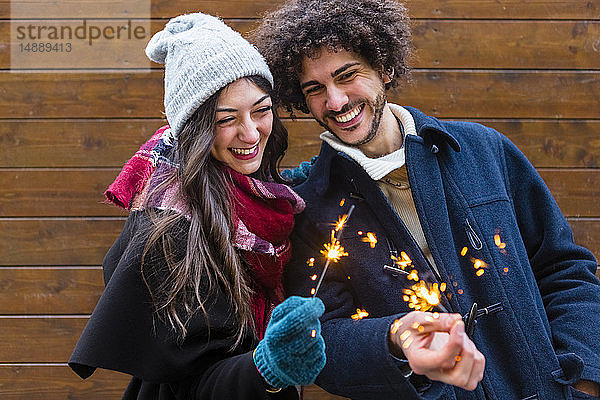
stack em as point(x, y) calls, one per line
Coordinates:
point(192, 278)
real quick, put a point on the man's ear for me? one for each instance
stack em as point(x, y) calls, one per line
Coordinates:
point(387, 76)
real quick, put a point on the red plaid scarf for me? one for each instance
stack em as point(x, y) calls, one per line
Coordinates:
point(263, 213)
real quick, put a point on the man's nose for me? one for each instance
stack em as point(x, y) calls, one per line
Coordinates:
point(336, 99)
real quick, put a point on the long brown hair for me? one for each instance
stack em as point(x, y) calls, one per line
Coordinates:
point(188, 282)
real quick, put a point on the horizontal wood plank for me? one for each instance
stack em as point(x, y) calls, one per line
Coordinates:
point(85, 241)
point(506, 44)
point(40, 291)
point(79, 192)
point(58, 192)
point(109, 143)
point(543, 9)
point(470, 44)
point(59, 382)
point(39, 339)
point(77, 241)
point(49, 382)
point(442, 93)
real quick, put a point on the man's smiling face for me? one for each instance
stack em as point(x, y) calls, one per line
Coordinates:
point(344, 94)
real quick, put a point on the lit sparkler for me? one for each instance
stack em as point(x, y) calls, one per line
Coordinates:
point(403, 261)
point(333, 250)
point(423, 297)
point(360, 314)
point(371, 239)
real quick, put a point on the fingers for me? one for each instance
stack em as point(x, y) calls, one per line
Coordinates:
point(469, 364)
point(296, 307)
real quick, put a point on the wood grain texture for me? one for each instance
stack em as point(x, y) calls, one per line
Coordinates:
point(506, 44)
point(40, 291)
point(543, 9)
point(39, 339)
point(109, 143)
point(79, 192)
point(441, 93)
point(73, 142)
point(73, 241)
point(58, 382)
point(48, 382)
point(57, 192)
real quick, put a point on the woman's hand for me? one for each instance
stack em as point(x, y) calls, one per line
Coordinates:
point(293, 350)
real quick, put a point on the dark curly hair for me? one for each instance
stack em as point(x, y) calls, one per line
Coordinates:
point(377, 30)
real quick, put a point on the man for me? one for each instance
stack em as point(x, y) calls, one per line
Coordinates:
point(448, 204)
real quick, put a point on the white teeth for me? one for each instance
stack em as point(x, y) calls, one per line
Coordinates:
point(349, 115)
point(243, 152)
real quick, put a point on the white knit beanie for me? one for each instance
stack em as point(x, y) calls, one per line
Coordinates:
point(201, 55)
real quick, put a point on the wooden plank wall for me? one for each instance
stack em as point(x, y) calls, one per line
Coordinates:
point(531, 69)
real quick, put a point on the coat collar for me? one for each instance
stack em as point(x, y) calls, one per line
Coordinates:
point(430, 129)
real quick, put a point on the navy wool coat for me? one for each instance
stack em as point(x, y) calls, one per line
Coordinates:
point(469, 183)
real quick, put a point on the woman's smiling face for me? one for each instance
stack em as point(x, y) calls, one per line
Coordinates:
point(244, 120)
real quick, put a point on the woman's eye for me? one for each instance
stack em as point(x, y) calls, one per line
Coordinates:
point(265, 109)
point(224, 121)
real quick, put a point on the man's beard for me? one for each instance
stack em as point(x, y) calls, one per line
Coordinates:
point(377, 106)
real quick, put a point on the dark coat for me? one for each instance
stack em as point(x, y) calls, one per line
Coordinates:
point(469, 183)
point(122, 335)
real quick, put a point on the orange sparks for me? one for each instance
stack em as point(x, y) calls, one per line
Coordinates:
point(371, 239)
point(360, 233)
point(396, 325)
point(313, 333)
point(403, 261)
point(360, 314)
point(479, 265)
point(413, 276)
point(348, 277)
point(422, 297)
point(341, 222)
point(505, 270)
point(463, 252)
point(458, 358)
point(333, 250)
point(310, 262)
point(499, 242)
point(342, 202)
point(460, 291)
point(443, 287)
point(312, 291)
point(314, 277)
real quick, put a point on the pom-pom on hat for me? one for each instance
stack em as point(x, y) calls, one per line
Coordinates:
point(201, 55)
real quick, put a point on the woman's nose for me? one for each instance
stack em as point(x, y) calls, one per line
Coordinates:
point(248, 132)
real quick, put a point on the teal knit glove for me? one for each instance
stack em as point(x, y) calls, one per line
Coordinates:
point(289, 354)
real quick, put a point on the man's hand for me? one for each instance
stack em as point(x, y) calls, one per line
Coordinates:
point(436, 346)
point(588, 387)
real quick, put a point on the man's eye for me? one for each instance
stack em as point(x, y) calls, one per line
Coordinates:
point(348, 75)
point(312, 89)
